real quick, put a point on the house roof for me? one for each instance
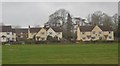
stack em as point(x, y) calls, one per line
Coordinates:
point(86, 28)
point(20, 30)
point(57, 29)
point(46, 29)
point(90, 28)
point(34, 30)
point(13, 30)
point(5, 29)
point(106, 28)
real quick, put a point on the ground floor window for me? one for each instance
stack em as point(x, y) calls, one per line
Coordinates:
point(110, 37)
point(43, 38)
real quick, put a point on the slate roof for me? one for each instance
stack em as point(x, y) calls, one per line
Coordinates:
point(13, 30)
point(34, 30)
point(20, 30)
point(86, 28)
point(57, 29)
point(5, 29)
point(106, 28)
point(90, 28)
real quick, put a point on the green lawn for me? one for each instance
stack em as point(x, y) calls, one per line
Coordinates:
point(61, 54)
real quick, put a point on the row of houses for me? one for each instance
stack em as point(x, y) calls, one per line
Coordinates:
point(39, 34)
point(83, 33)
point(88, 33)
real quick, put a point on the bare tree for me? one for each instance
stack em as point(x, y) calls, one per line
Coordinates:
point(99, 18)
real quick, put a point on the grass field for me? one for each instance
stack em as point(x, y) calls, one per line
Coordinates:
point(61, 54)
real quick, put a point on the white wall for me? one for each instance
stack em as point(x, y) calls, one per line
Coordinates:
point(7, 36)
point(50, 30)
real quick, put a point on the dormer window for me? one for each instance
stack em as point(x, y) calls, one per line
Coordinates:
point(109, 32)
point(50, 32)
point(42, 32)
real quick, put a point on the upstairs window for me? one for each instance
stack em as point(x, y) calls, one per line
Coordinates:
point(12, 33)
point(83, 32)
point(42, 32)
point(84, 38)
point(8, 33)
point(93, 32)
point(58, 32)
point(21, 33)
point(19, 36)
point(100, 32)
point(50, 32)
point(109, 32)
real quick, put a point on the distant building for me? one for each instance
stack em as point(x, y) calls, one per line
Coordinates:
point(84, 33)
point(41, 34)
point(20, 33)
point(6, 34)
point(55, 32)
point(88, 33)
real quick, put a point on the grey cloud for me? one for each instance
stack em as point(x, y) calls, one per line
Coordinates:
point(30, 13)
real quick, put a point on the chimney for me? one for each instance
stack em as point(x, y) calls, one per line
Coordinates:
point(29, 26)
point(29, 32)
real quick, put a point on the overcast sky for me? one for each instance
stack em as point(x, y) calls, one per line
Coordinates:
point(31, 13)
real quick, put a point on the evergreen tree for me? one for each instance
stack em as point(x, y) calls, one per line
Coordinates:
point(69, 27)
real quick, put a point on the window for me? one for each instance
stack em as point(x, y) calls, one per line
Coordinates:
point(93, 37)
point(100, 38)
point(8, 39)
point(12, 33)
point(42, 33)
point(43, 38)
point(38, 38)
point(88, 37)
point(83, 33)
point(12, 38)
point(21, 33)
point(110, 37)
point(8, 33)
point(21, 36)
point(93, 32)
point(100, 32)
point(3, 38)
point(84, 38)
point(50, 32)
point(58, 32)
point(109, 32)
